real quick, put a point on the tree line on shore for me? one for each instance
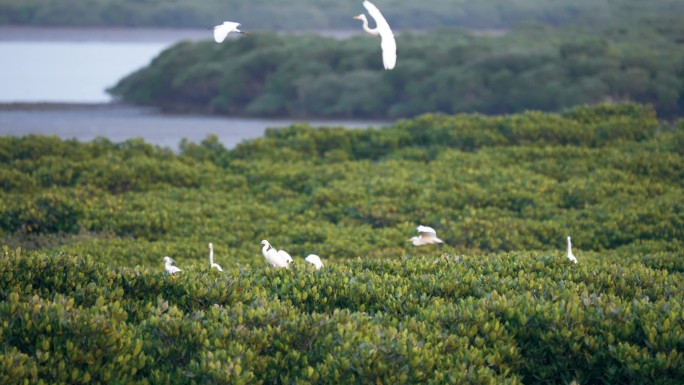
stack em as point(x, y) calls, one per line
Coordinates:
point(451, 71)
point(321, 14)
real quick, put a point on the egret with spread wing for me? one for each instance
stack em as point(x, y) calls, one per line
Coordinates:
point(387, 42)
point(277, 258)
point(426, 236)
point(315, 260)
point(169, 267)
point(570, 255)
point(222, 30)
point(211, 258)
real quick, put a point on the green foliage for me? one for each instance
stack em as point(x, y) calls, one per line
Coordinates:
point(320, 14)
point(610, 176)
point(532, 67)
point(89, 302)
point(504, 318)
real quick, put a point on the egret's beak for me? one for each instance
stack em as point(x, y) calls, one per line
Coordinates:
point(357, 17)
point(245, 33)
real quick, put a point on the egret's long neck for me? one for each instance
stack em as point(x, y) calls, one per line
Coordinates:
point(367, 29)
point(211, 255)
point(264, 249)
point(569, 246)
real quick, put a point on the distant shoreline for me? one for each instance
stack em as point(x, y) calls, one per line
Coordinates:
point(127, 34)
point(109, 34)
point(118, 106)
point(51, 106)
point(162, 35)
point(119, 122)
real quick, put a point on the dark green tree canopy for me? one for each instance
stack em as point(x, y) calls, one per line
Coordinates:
point(449, 71)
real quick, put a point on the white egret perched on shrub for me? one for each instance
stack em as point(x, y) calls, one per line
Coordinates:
point(387, 42)
point(277, 258)
point(315, 260)
point(222, 30)
point(211, 258)
point(169, 267)
point(426, 236)
point(570, 255)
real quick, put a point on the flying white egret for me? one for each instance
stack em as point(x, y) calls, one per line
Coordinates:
point(222, 30)
point(315, 260)
point(570, 256)
point(387, 43)
point(169, 267)
point(211, 258)
point(277, 258)
point(427, 236)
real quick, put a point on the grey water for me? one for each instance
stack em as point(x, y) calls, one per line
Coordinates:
point(119, 123)
point(53, 81)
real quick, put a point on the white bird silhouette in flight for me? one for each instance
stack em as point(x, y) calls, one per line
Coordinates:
point(427, 235)
point(387, 42)
point(222, 30)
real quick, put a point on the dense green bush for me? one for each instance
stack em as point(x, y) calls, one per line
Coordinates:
point(610, 176)
point(505, 318)
point(86, 300)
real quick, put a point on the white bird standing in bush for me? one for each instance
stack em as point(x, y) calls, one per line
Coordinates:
point(169, 267)
point(211, 258)
point(315, 260)
point(277, 258)
point(387, 42)
point(570, 255)
point(427, 236)
point(222, 30)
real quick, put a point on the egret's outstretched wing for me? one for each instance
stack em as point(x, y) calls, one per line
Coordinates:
point(428, 236)
point(380, 22)
point(426, 230)
point(222, 30)
point(388, 44)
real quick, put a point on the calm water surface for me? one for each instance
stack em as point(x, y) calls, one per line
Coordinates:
point(68, 72)
point(76, 65)
point(120, 122)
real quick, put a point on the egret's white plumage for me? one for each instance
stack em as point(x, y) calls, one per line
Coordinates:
point(315, 260)
point(169, 267)
point(222, 30)
point(426, 236)
point(382, 28)
point(570, 255)
point(211, 258)
point(283, 254)
point(277, 258)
